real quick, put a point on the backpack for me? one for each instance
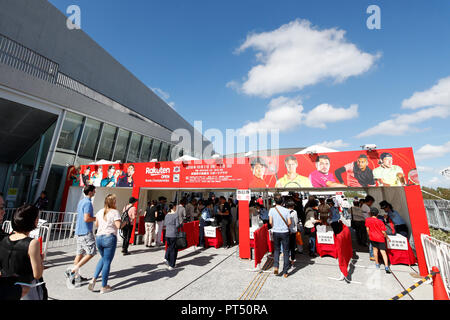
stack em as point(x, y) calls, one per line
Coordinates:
point(125, 219)
point(159, 214)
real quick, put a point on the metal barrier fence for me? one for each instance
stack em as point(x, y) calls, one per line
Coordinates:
point(438, 213)
point(437, 254)
point(20, 57)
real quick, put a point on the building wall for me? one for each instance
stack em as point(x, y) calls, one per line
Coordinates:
point(41, 27)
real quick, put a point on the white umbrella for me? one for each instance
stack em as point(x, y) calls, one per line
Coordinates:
point(316, 149)
point(105, 162)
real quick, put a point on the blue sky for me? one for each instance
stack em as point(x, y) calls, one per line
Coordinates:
point(310, 68)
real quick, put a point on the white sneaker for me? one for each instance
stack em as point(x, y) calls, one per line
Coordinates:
point(105, 289)
point(91, 284)
point(169, 268)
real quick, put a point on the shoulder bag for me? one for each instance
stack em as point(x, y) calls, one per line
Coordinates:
point(181, 242)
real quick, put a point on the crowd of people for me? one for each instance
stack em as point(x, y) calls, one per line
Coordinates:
point(21, 263)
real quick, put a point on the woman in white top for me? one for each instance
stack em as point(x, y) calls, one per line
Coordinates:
point(292, 230)
point(107, 223)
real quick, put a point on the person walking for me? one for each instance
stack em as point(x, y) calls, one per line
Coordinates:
point(358, 223)
point(206, 214)
point(161, 211)
point(86, 248)
point(172, 223)
point(20, 255)
point(292, 230)
point(127, 230)
point(107, 223)
point(150, 223)
point(377, 236)
point(279, 219)
point(311, 222)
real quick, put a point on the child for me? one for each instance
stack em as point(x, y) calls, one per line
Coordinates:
point(377, 235)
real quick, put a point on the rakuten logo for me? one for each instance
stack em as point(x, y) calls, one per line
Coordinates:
point(157, 172)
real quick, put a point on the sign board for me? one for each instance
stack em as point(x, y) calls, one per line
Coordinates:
point(325, 237)
point(210, 232)
point(243, 195)
point(252, 231)
point(398, 242)
point(11, 194)
point(339, 193)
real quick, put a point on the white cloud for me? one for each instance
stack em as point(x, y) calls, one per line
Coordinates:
point(438, 95)
point(438, 181)
point(287, 113)
point(436, 101)
point(403, 123)
point(325, 113)
point(297, 55)
point(431, 151)
point(424, 169)
point(283, 114)
point(333, 144)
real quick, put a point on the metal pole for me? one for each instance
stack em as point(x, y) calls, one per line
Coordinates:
point(51, 153)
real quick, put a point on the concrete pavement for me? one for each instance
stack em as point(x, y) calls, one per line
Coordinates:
point(218, 274)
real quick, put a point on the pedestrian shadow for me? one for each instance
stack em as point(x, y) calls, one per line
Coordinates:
point(198, 261)
point(58, 262)
point(191, 254)
point(301, 263)
point(152, 276)
point(132, 271)
point(146, 250)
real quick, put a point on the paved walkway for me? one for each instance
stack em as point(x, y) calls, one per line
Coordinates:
point(218, 274)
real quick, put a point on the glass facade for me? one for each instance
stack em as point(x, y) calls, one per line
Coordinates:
point(70, 132)
point(89, 140)
point(120, 152)
point(83, 141)
point(106, 146)
point(134, 149)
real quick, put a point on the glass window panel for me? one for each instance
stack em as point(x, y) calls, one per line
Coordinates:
point(169, 153)
point(89, 139)
point(106, 145)
point(164, 149)
point(155, 150)
point(133, 153)
point(146, 149)
point(70, 132)
point(120, 153)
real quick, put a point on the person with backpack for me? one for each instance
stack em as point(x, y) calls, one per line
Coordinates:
point(128, 218)
point(161, 211)
point(150, 223)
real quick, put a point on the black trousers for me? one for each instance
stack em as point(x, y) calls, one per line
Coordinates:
point(225, 230)
point(126, 235)
point(172, 251)
point(292, 244)
point(361, 233)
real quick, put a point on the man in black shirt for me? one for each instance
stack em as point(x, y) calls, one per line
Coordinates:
point(150, 223)
point(224, 211)
point(42, 202)
point(299, 208)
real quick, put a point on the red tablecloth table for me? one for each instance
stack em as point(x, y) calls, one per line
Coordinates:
point(324, 249)
point(216, 242)
point(396, 256)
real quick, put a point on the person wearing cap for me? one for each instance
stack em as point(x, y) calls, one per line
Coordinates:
point(399, 224)
point(358, 173)
point(377, 236)
point(128, 229)
point(258, 169)
point(292, 178)
point(388, 174)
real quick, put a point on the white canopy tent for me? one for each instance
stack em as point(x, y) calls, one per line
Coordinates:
point(316, 149)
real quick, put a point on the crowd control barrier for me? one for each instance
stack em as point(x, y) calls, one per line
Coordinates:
point(437, 254)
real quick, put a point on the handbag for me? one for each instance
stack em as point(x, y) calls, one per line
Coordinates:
point(298, 238)
point(181, 241)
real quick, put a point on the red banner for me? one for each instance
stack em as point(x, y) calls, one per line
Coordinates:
point(386, 167)
point(344, 249)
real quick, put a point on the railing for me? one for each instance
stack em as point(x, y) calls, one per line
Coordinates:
point(26, 60)
point(437, 254)
point(438, 213)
